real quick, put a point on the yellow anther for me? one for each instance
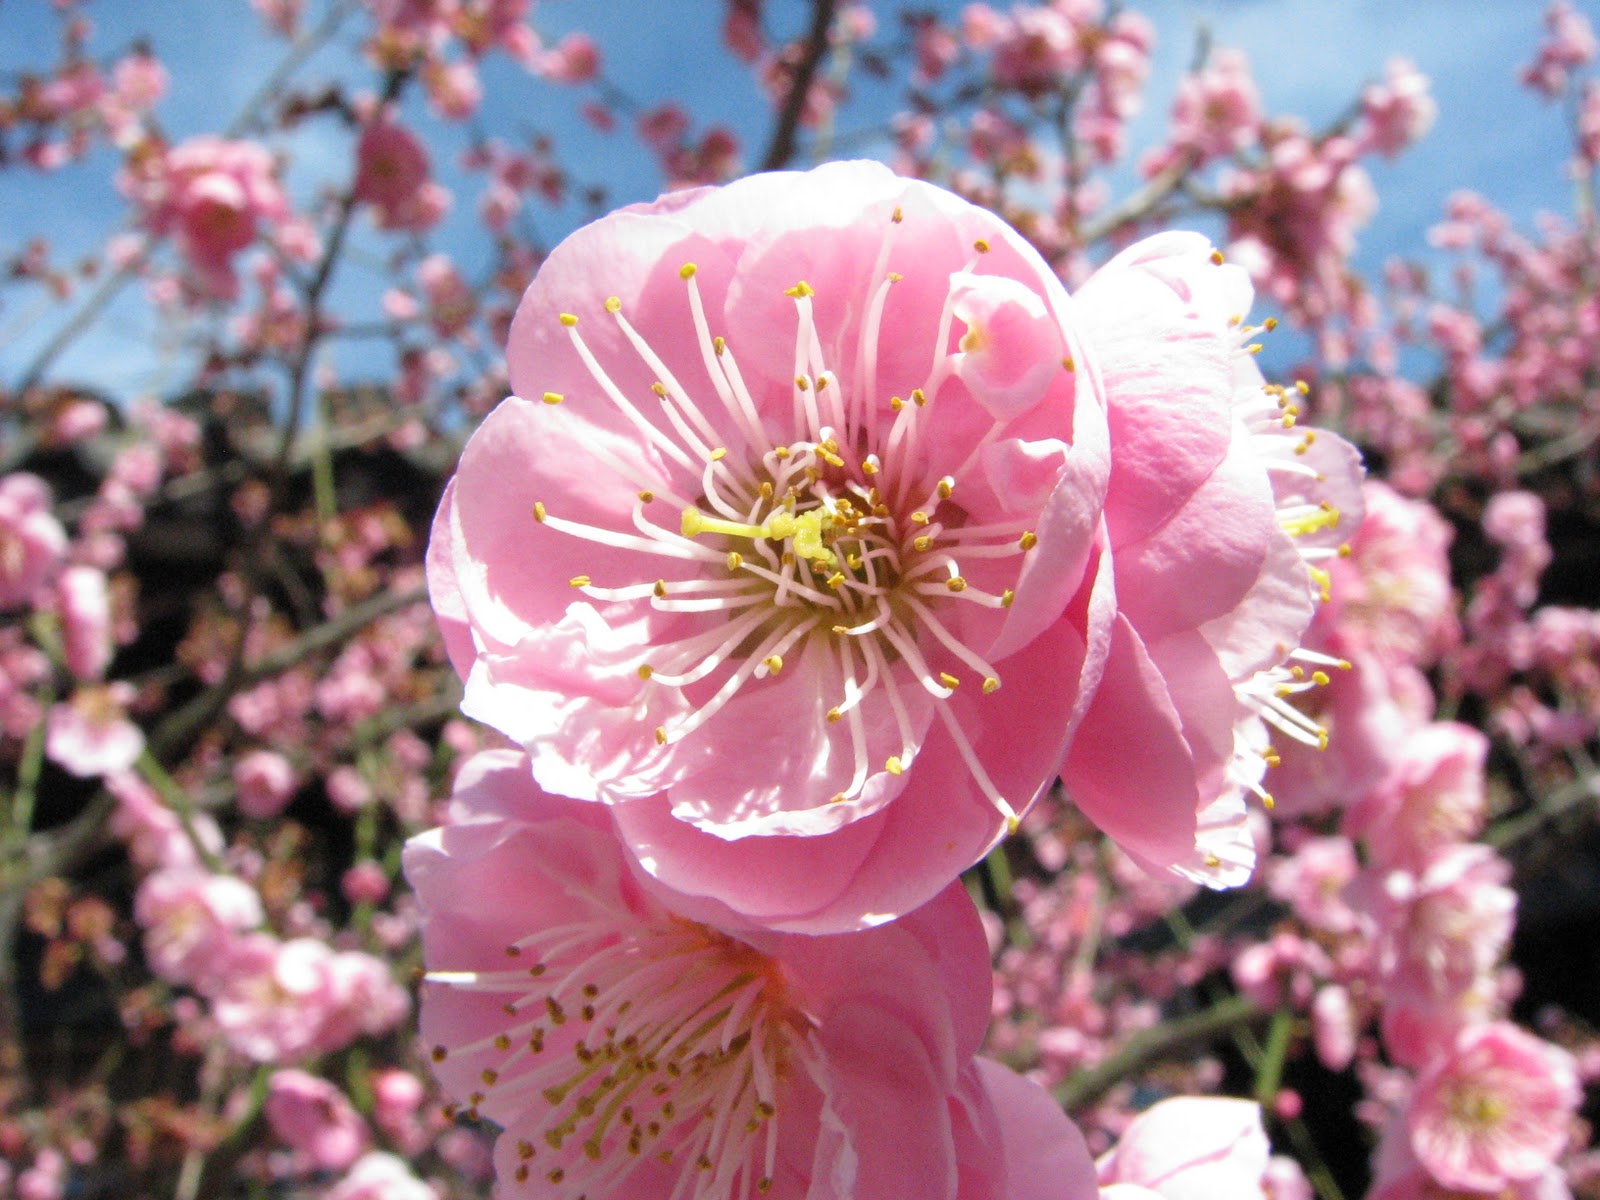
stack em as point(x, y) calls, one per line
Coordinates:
point(800, 289)
point(919, 517)
point(659, 388)
point(822, 383)
point(1270, 757)
point(893, 765)
point(956, 584)
point(991, 685)
point(837, 798)
point(896, 404)
point(836, 580)
point(801, 382)
point(924, 542)
point(1322, 738)
point(981, 246)
point(1069, 363)
point(660, 589)
point(720, 345)
point(780, 452)
point(661, 731)
point(1216, 257)
point(1213, 861)
point(553, 397)
point(1253, 348)
point(538, 511)
point(773, 663)
point(827, 456)
point(869, 465)
point(949, 680)
point(735, 560)
point(947, 487)
point(613, 304)
point(720, 453)
point(1343, 664)
point(687, 271)
point(568, 319)
point(895, 277)
point(646, 497)
point(1301, 386)
point(1028, 540)
point(918, 398)
point(1006, 597)
point(834, 716)
point(1298, 672)
point(579, 581)
point(1270, 323)
point(645, 671)
point(1320, 678)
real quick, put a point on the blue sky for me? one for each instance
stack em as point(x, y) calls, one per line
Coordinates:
point(1309, 57)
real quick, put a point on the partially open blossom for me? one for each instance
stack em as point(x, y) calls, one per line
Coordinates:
point(1220, 517)
point(1433, 798)
point(266, 781)
point(772, 549)
point(625, 1050)
point(1192, 1148)
point(188, 914)
point(32, 541)
point(1495, 1109)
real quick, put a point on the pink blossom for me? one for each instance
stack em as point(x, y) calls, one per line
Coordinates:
point(777, 554)
point(1440, 936)
point(1433, 798)
point(1392, 593)
point(380, 1176)
point(311, 1115)
point(266, 782)
point(396, 1098)
point(155, 836)
point(1218, 508)
point(1192, 1148)
point(832, 1065)
point(32, 541)
point(574, 59)
point(1217, 111)
point(214, 196)
point(84, 605)
point(91, 735)
point(393, 176)
point(271, 998)
point(1398, 111)
point(188, 915)
point(1494, 1110)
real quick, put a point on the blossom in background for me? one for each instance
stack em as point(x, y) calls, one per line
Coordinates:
point(314, 1117)
point(1189, 1148)
point(1221, 517)
point(32, 541)
point(394, 178)
point(773, 551)
point(626, 1050)
point(215, 197)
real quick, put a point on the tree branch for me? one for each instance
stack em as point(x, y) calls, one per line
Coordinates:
point(781, 149)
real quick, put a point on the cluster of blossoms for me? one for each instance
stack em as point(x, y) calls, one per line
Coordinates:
point(874, 532)
point(935, 728)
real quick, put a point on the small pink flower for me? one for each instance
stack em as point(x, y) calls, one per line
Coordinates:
point(797, 478)
point(1432, 799)
point(626, 1050)
point(32, 541)
point(1494, 1110)
point(91, 735)
point(311, 1115)
point(393, 176)
point(1192, 1148)
point(266, 782)
point(188, 915)
point(84, 603)
point(272, 998)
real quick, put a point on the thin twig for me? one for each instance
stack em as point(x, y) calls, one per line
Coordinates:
point(781, 149)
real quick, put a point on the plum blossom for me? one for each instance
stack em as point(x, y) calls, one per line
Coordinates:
point(624, 1049)
point(90, 734)
point(380, 1176)
point(1220, 517)
point(32, 541)
point(188, 915)
point(393, 176)
point(799, 472)
point(1494, 1110)
point(314, 1117)
point(1191, 1148)
point(214, 196)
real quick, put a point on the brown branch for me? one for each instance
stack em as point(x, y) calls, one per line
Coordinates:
point(781, 149)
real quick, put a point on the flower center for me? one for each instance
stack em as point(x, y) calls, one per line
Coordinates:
point(674, 1042)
